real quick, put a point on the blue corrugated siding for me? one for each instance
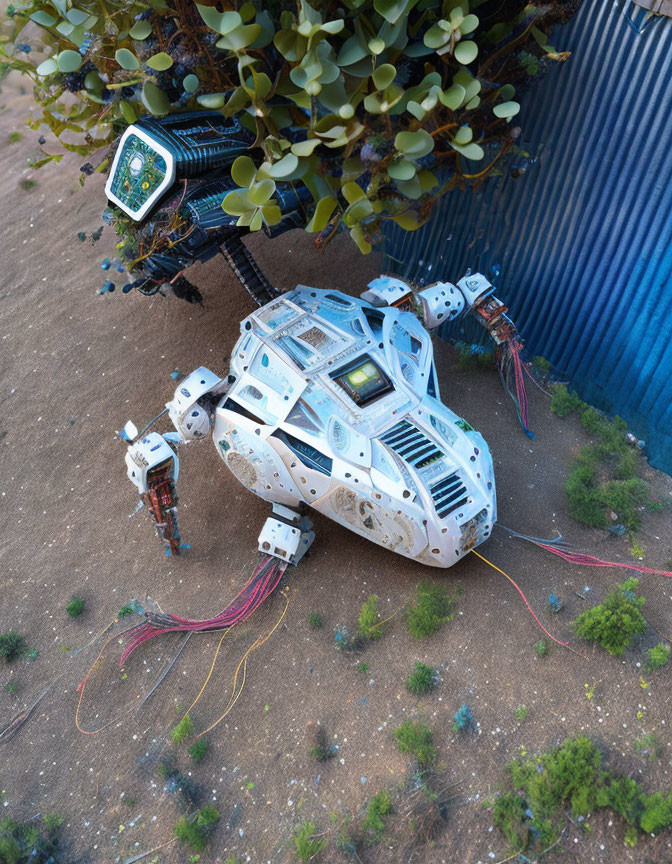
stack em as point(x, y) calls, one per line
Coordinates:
point(580, 246)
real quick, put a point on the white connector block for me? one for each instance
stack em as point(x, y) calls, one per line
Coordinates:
point(287, 542)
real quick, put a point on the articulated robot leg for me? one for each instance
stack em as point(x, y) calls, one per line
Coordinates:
point(153, 468)
point(286, 535)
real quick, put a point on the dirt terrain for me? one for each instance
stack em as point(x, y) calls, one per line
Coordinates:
point(75, 366)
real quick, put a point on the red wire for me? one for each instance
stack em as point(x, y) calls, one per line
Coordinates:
point(519, 590)
point(592, 561)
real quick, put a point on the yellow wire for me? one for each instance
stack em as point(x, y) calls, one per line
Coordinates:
point(205, 683)
point(243, 662)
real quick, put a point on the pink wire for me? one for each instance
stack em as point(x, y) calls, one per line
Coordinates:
point(264, 581)
point(592, 561)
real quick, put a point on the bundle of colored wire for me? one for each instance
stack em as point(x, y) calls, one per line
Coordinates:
point(263, 583)
point(592, 561)
point(510, 367)
point(564, 551)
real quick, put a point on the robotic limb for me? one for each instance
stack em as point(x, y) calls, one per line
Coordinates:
point(153, 468)
point(444, 302)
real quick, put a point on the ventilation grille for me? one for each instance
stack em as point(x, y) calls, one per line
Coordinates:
point(448, 494)
point(411, 444)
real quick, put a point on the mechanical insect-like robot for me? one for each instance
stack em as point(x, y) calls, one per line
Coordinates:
point(332, 402)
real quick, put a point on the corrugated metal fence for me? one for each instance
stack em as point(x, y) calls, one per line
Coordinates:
point(580, 245)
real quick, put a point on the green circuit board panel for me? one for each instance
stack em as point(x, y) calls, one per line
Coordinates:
point(139, 173)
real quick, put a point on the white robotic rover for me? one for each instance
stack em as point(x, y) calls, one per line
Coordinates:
point(333, 402)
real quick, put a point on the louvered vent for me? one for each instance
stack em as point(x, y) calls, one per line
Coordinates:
point(411, 444)
point(448, 494)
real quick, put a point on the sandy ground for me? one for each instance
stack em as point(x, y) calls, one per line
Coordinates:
point(75, 366)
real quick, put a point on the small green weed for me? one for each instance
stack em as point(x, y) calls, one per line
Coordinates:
point(658, 657)
point(616, 621)
point(541, 365)
point(369, 619)
point(415, 737)
point(422, 680)
point(521, 714)
point(12, 646)
point(14, 137)
point(363, 668)
point(75, 607)
point(305, 844)
point(10, 687)
point(52, 822)
point(183, 730)
point(563, 402)
point(433, 606)
point(657, 813)
point(194, 831)
point(649, 747)
point(198, 750)
point(377, 810)
point(542, 648)
point(27, 184)
point(29, 842)
point(126, 610)
point(315, 621)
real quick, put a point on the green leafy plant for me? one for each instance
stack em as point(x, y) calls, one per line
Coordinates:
point(415, 737)
point(509, 815)
point(194, 831)
point(422, 680)
point(52, 822)
point(75, 607)
point(433, 606)
point(649, 747)
point(198, 750)
point(377, 811)
point(183, 730)
point(315, 621)
point(521, 714)
point(657, 813)
point(573, 775)
point(542, 648)
point(369, 619)
point(390, 104)
point(12, 646)
point(616, 621)
point(563, 402)
point(306, 845)
point(659, 656)
point(363, 668)
point(28, 842)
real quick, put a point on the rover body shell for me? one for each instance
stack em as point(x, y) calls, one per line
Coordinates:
point(335, 404)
